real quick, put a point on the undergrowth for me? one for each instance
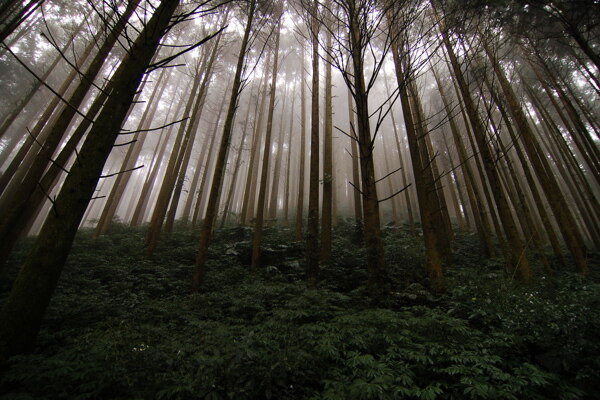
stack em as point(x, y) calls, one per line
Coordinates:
point(123, 325)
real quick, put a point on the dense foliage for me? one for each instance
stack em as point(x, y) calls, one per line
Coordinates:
point(124, 326)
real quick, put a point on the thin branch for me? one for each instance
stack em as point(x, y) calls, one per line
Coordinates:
point(391, 173)
point(121, 172)
point(395, 194)
point(357, 189)
point(153, 129)
point(167, 60)
point(125, 144)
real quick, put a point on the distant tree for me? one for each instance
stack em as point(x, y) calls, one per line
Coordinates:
point(302, 150)
point(328, 188)
point(262, 191)
point(251, 176)
point(13, 13)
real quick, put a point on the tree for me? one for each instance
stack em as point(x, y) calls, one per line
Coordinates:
point(262, 192)
point(312, 226)
point(13, 13)
point(555, 197)
point(355, 27)
point(327, 201)
point(22, 313)
point(302, 150)
point(15, 205)
point(516, 253)
point(211, 210)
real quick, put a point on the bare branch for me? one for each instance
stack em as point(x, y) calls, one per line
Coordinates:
point(121, 172)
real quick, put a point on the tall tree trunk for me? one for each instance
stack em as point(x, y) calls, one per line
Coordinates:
point(262, 192)
point(475, 196)
point(423, 180)
point(436, 204)
point(327, 201)
point(217, 181)
point(142, 203)
point(133, 152)
point(166, 188)
point(409, 207)
point(516, 253)
point(16, 206)
point(200, 196)
point(238, 162)
point(274, 200)
point(358, 214)
point(186, 151)
point(22, 313)
point(251, 176)
point(286, 194)
point(372, 228)
point(312, 225)
point(301, 170)
point(544, 173)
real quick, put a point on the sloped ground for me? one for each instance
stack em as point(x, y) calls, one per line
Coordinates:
point(124, 326)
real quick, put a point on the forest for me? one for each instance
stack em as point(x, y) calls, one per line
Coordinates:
point(299, 199)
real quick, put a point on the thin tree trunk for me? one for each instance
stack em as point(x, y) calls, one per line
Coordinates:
point(516, 252)
point(200, 197)
point(286, 195)
point(409, 207)
point(166, 188)
point(475, 196)
point(238, 163)
point(274, 200)
point(251, 176)
point(262, 192)
point(312, 225)
point(133, 152)
point(300, 205)
point(186, 151)
point(544, 173)
point(358, 215)
point(140, 208)
point(217, 181)
point(372, 228)
point(327, 201)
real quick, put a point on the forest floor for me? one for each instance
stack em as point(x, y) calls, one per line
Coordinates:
point(123, 325)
